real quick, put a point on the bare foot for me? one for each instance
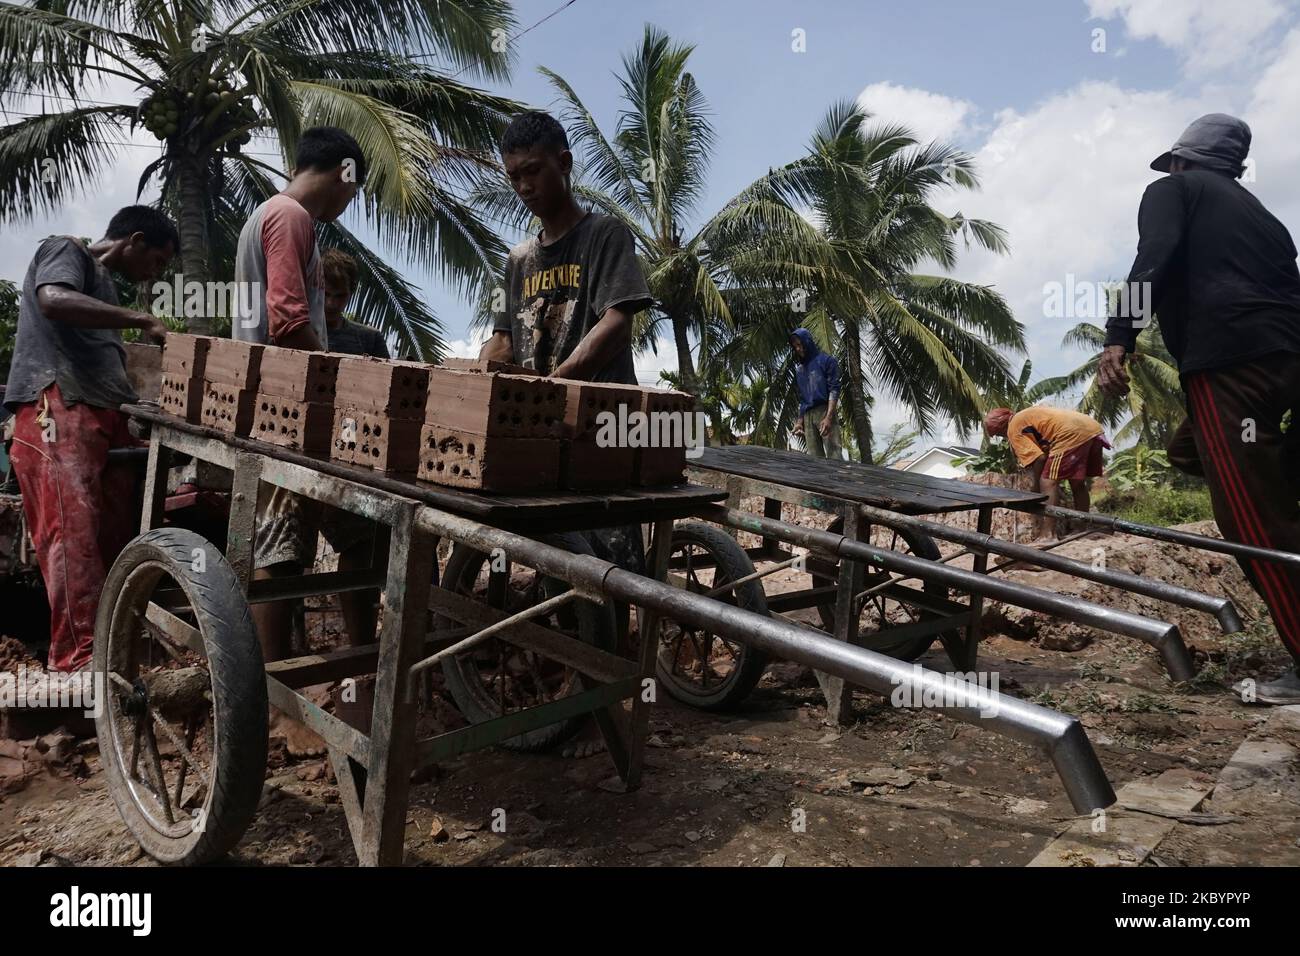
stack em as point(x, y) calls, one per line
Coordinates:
point(299, 741)
point(588, 743)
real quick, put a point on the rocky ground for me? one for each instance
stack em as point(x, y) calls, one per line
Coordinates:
point(774, 784)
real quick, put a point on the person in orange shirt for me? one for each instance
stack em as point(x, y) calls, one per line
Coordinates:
point(1053, 445)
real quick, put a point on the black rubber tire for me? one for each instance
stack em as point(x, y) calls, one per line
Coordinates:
point(238, 677)
point(595, 626)
point(920, 545)
point(732, 563)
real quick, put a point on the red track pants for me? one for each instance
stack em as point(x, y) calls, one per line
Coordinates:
point(80, 510)
point(1233, 438)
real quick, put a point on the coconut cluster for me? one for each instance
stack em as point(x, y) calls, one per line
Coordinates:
point(166, 112)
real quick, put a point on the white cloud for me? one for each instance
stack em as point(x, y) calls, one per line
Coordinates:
point(649, 364)
point(467, 348)
point(1064, 179)
point(931, 116)
point(1209, 34)
point(1272, 112)
point(87, 213)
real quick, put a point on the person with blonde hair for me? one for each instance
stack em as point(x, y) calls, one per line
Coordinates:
point(340, 280)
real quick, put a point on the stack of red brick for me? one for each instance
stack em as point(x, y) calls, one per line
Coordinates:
point(469, 424)
point(487, 426)
point(295, 399)
point(230, 385)
point(211, 381)
point(379, 407)
point(183, 362)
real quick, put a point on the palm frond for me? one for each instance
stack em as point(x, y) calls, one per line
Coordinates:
point(47, 160)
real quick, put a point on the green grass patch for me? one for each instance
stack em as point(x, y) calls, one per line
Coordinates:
point(1163, 506)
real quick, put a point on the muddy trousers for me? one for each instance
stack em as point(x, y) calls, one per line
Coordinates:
point(817, 446)
point(80, 510)
point(1234, 440)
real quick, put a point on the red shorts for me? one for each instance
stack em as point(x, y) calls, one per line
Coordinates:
point(1081, 461)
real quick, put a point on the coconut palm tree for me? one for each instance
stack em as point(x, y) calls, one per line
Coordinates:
point(210, 78)
point(1019, 393)
point(8, 326)
point(930, 342)
point(1153, 406)
point(651, 174)
point(746, 404)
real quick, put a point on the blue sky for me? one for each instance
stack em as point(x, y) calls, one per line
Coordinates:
point(1061, 133)
point(1019, 83)
point(766, 99)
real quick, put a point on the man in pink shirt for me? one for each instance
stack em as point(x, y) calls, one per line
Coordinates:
point(278, 257)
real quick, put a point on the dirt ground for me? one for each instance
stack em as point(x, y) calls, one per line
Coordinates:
point(895, 787)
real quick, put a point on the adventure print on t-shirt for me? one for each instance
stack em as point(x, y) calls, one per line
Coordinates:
point(555, 294)
point(550, 297)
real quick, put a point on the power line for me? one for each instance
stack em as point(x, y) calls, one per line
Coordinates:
point(511, 39)
point(60, 96)
point(105, 142)
point(558, 10)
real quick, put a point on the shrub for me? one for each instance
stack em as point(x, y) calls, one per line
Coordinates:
point(1163, 505)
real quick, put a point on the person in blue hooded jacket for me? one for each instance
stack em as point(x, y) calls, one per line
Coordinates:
point(818, 377)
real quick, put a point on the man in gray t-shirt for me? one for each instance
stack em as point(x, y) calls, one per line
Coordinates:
point(558, 292)
point(571, 293)
point(573, 289)
point(66, 383)
point(88, 364)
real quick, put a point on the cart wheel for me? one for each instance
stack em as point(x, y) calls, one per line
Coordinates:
point(877, 612)
point(698, 667)
point(497, 678)
point(182, 720)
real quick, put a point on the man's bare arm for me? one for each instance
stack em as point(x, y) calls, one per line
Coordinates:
point(61, 304)
point(607, 338)
point(303, 337)
point(1112, 377)
point(828, 422)
point(500, 347)
point(1035, 469)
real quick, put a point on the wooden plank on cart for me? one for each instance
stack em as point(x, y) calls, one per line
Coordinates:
point(539, 513)
point(904, 491)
